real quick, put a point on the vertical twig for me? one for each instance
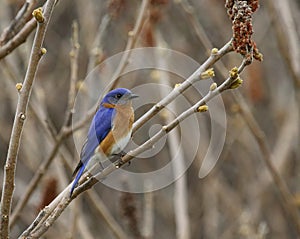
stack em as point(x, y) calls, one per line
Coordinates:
point(100, 207)
point(246, 113)
point(180, 185)
point(132, 38)
point(74, 54)
point(20, 116)
point(286, 33)
point(97, 46)
point(148, 222)
point(63, 132)
point(288, 202)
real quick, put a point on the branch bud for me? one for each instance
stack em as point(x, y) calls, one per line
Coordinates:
point(202, 108)
point(130, 33)
point(19, 86)
point(214, 51)
point(234, 72)
point(213, 86)
point(236, 83)
point(38, 15)
point(207, 74)
point(43, 50)
point(22, 116)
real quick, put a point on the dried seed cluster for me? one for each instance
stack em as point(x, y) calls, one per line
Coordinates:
point(240, 13)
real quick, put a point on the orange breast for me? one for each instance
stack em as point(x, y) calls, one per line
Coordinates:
point(121, 130)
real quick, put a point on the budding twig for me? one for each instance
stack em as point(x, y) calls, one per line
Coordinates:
point(20, 116)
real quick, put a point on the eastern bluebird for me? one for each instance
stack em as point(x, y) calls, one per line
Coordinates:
point(109, 132)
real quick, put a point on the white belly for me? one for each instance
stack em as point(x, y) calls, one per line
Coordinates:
point(121, 144)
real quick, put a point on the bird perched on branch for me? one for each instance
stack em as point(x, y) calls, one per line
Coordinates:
point(109, 132)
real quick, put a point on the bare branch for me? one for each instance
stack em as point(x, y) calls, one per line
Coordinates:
point(20, 116)
point(132, 38)
point(180, 185)
point(18, 22)
point(64, 132)
point(54, 209)
point(260, 137)
point(186, 84)
point(18, 39)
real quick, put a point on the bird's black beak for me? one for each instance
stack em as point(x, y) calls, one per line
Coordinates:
point(132, 96)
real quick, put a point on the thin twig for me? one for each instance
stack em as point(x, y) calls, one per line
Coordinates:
point(18, 39)
point(99, 205)
point(282, 19)
point(97, 46)
point(74, 54)
point(180, 185)
point(246, 113)
point(260, 137)
point(35, 180)
point(213, 58)
point(18, 22)
point(200, 32)
point(63, 134)
point(23, 31)
point(20, 116)
point(148, 222)
point(132, 38)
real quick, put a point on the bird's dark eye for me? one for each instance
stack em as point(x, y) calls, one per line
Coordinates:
point(118, 96)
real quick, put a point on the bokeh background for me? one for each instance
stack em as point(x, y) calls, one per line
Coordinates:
point(239, 198)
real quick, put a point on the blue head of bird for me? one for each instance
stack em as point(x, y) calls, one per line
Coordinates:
point(119, 96)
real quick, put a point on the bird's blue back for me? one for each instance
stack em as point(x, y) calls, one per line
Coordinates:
point(100, 127)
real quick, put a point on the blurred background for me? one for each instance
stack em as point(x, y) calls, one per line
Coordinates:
point(238, 198)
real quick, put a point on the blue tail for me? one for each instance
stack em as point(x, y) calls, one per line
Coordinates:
point(79, 174)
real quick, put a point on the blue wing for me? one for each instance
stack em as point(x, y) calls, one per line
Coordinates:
point(99, 128)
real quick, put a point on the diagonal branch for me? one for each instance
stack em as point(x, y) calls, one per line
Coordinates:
point(50, 213)
point(213, 58)
point(18, 22)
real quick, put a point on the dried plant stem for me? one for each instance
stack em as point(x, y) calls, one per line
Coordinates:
point(201, 33)
point(246, 113)
point(74, 60)
point(99, 205)
point(287, 38)
point(59, 137)
point(20, 29)
point(176, 154)
point(35, 180)
point(260, 137)
point(148, 218)
point(96, 201)
point(97, 45)
point(20, 116)
point(132, 38)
